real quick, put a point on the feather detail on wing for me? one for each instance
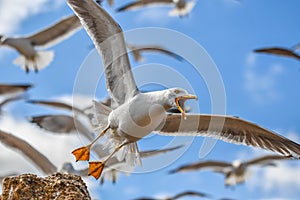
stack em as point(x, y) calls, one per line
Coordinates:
point(109, 41)
point(229, 129)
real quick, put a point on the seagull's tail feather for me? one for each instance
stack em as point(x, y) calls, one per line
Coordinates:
point(182, 11)
point(129, 153)
point(41, 60)
point(99, 117)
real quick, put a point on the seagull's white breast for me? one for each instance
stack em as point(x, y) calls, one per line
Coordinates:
point(22, 45)
point(137, 118)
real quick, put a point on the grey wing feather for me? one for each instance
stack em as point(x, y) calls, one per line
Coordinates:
point(213, 165)
point(266, 159)
point(278, 51)
point(8, 89)
point(229, 129)
point(143, 3)
point(109, 41)
point(137, 50)
point(56, 33)
point(145, 154)
point(35, 156)
point(57, 104)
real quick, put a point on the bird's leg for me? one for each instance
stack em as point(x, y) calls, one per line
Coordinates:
point(83, 153)
point(36, 70)
point(96, 168)
point(26, 66)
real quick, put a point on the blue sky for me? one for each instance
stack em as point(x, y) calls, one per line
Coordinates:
point(261, 88)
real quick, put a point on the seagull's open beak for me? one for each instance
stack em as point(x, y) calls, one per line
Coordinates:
point(180, 102)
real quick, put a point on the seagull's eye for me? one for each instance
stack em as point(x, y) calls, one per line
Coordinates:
point(177, 91)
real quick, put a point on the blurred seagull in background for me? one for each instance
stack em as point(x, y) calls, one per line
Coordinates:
point(139, 114)
point(182, 7)
point(235, 172)
point(62, 124)
point(137, 51)
point(30, 57)
point(279, 51)
point(177, 196)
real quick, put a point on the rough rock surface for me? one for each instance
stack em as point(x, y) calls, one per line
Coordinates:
point(57, 186)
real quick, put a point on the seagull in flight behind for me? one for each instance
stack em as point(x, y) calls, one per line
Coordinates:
point(182, 7)
point(139, 114)
point(235, 172)
point(30, 57)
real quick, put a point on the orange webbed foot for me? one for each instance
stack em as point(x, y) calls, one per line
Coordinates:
point(82, 153)
point(95, 169)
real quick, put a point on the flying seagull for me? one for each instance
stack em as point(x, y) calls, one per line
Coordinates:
point(182, 7)
point(279, 51)
point(30, 57)
point(30, 152)
point(61, 124)
point(235, 172)
point(177, 196)
point(138, 50)
point(139, 114)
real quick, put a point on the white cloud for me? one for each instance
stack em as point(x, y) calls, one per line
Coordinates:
point(261, 86)
point(283, 178)
point(13, 12)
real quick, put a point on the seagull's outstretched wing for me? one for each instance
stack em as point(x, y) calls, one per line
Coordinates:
point(137, 51)
point(217, 166)
point(57, 104)
point(143, 3)
point(278, 51)
point(229, 129)
point(10, 89)
point(56, 33)
point(35, 156)
point(109, 40)
point(266, 160)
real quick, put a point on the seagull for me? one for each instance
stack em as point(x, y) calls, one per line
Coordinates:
point(182, 7)
point(45, 165)
point(30, 57)
point(177, 196)
point(137, 51)
point(279, 51)
point(61, 124)
point(8, 89)
point(235, 172)
point(139, 114)
point(116, 166)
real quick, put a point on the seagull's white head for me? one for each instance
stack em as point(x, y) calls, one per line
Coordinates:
point(236, 163)
point(177, 97)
